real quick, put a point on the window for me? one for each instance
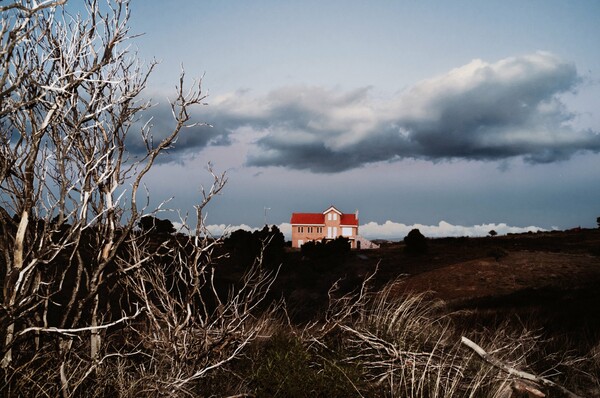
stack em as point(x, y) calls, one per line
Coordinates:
point(335, 216)
point(346, 231)
point(300, 229)
point(329, 217)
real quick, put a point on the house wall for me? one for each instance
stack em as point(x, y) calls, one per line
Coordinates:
point(332, 224)
point(307, 233)
point(352, 236)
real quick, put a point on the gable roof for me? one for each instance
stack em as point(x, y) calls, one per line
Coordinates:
point(319, 218)
point(332, 208)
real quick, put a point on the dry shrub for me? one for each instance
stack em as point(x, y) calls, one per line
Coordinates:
point(409, 346)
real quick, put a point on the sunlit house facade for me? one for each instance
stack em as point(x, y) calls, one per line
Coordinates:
point(329, 224)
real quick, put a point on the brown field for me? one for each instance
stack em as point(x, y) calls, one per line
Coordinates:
point(556, 274)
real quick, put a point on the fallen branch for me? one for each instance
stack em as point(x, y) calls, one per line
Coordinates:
point(515, 372)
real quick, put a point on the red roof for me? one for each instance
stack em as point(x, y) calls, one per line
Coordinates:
point(319, 219)
point(307, 218)
point(349, 219)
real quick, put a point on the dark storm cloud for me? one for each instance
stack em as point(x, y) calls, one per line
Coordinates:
point(318, 157)
point(479, 111)
point(192, 139)
point(483, 111)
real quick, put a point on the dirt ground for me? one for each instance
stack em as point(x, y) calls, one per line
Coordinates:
point(517, 271)
point(460, 269)
point(552, 279)
point(553, 274)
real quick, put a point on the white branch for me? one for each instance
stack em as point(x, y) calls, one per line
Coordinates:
point(512, 371)
point(71, 331)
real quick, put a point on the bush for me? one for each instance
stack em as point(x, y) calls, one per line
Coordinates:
point(332, 252)
point(286, 367)
point(245, 246)
point(415, 242)
point(156, 225)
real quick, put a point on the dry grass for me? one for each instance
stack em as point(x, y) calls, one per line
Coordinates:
point(369, 344)
point(410, 347)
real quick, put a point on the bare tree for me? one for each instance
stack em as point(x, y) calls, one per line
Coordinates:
point(70, 94)
point(68, 101)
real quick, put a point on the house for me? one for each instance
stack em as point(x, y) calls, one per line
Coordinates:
point(330, 224)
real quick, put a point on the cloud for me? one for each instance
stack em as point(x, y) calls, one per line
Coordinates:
point(492, 111)
point(479, 111)
point(397, 231)
point(224, 230)
point(162, 123)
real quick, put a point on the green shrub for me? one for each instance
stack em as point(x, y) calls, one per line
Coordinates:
point(285, 367)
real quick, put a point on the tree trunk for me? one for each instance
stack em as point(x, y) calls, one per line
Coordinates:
point(12, 290)
point(95, 338)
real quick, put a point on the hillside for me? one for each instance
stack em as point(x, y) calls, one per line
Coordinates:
point(557, 273)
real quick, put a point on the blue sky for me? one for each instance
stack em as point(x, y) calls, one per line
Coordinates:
point(449, 115)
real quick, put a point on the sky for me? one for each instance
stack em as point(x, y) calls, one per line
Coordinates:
point(454, 117)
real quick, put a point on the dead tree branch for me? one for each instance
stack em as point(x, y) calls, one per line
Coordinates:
point(515, 372)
